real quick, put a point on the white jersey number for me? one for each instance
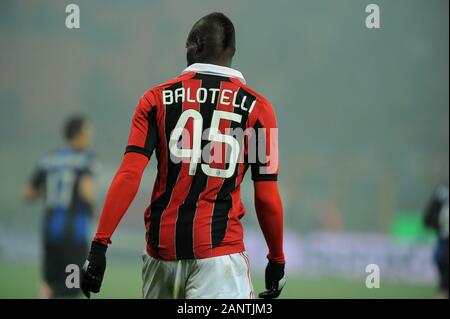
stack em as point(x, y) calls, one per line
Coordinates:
point(214, 135)
point(60, 188)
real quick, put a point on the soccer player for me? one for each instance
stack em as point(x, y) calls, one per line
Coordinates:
point(64, 178)
point(193, 230)
point(436, 217)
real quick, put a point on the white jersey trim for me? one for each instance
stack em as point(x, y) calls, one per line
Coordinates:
point(214, 69)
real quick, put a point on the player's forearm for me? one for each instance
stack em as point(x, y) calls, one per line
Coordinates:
point(86, 187)
point(121, 193)
point(269, 210)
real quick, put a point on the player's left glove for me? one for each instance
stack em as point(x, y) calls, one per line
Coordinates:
point(93, 269)
point(275, 280)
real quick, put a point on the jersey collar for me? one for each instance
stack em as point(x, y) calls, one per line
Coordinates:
point(214, 69)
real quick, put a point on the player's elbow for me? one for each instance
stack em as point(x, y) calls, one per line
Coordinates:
point(262, 200)
point(266, 192)
point(87, 189)
point(129, 175)
point(132, 167)
point(269, 205)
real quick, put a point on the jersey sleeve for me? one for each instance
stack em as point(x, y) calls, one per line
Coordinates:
point(263, 144)
point(143, 134)
point(37, 179)
point(121, 193)
point(269, 210)
point(39, 175)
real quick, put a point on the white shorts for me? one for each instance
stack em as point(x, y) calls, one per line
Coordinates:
point(222, 277)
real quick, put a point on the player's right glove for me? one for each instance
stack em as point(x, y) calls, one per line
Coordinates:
point(275, 280)
point(93, 269)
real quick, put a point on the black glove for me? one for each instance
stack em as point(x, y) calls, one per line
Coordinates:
point(274, 280)
point(93, 269)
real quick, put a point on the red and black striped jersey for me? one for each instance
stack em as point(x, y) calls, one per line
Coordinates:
point(207, 127)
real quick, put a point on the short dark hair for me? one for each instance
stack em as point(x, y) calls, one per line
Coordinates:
point(73, 126)
point(217, 30)
point(225, 29)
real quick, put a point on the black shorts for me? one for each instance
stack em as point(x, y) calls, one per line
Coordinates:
point(442, 266)
point(56, 258)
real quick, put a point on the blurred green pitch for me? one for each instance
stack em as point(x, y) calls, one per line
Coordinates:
point(122, 280)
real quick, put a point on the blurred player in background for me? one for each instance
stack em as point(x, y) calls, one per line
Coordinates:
point(437, 218)
point(64, 179)
point(194, 234)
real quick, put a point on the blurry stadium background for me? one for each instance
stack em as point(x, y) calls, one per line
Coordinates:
point(363, 117)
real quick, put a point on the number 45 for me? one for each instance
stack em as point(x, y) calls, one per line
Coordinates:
point(214, 135)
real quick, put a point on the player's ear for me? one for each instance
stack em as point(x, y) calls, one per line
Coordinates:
point(199, 45)
point(231, 51)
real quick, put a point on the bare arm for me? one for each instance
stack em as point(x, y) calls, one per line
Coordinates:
point(86, 187)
